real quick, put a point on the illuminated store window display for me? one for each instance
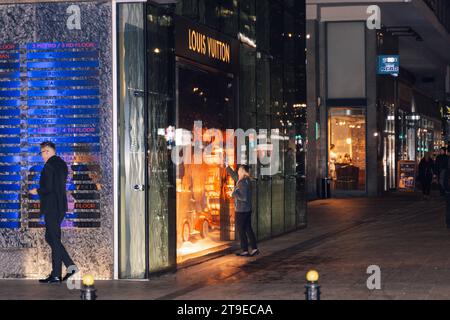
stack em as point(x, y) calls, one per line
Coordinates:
point(205, 213)
point(347, 148)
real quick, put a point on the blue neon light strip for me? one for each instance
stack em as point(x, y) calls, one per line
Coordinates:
point(10, 93)
point(10, 168)
point(36, 159)
point(63, 83)
point(66, 149)
point(9, 112)
point(60, 45)
point(10, 75)
point(9, 103)
point(52, 93)
point(9, 140)
point(10, 159)
point(10, 150)
point(9, 196)
point(62, 73)
point(9, 122)
point(64, 130)
point(10, 56)
point(9, 215)
point(55, 112)
point(9, 187)
point(59, 65)
point(9, 131)
point(36, 168)
point(9, 225)
point(10, 84)
point(63, 102)
point(58, 140)
point(10, 206)
point(9, 65)
point(69, 186)
point(62, 121)
point(62, 55)
point(10, 177)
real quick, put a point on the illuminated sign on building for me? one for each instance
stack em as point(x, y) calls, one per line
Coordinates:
point(49, 92)
point(206, 46)
point(389, 65)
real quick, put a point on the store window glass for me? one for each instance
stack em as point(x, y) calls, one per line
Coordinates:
point(402, 135)
point(160, 124)
point(425, 137)
point(347, 148)
point(205, 212)
point(389, 164)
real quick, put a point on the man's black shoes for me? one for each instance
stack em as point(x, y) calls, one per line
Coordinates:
point(68, 275)
point(50, 279)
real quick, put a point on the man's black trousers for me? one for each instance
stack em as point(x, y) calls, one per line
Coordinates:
point(53, 238)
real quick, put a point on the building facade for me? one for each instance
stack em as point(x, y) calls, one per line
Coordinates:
point(126, 90)
point(376, 86)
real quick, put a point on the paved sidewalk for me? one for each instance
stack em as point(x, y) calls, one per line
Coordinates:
point(403, 235)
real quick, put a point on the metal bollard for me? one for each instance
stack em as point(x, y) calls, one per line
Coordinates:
point(88, 291)
point(312, 287)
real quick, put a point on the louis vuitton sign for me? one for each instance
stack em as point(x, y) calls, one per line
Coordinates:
point(204, 45)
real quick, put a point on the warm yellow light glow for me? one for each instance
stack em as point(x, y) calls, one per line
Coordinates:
point(312, 276)
point(88, 280)
point(157, 50)
point(195, 90)
point(349, 140)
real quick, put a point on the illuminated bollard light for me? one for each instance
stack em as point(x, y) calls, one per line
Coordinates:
point(312, 287)
point(88, 291)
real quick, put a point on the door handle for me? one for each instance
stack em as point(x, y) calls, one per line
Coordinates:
point(139, 187)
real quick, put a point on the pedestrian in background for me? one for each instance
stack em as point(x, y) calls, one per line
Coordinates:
point(426, 170)
point(441, 170)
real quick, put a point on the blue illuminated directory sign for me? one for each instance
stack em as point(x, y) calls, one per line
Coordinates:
point(10, 121)
point(49, 92)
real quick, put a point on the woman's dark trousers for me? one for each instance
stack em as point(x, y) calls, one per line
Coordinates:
point(244, 229)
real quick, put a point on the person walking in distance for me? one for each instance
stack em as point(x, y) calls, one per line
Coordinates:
point(242, 195)
point(441, 166)
point(53, 205)
point(426, 167)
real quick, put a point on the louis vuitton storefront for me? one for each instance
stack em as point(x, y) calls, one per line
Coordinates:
point(128, 89)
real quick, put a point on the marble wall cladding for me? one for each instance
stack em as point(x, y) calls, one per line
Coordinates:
point(23, 252)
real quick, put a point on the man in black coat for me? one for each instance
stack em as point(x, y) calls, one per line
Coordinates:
point(53, 198)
